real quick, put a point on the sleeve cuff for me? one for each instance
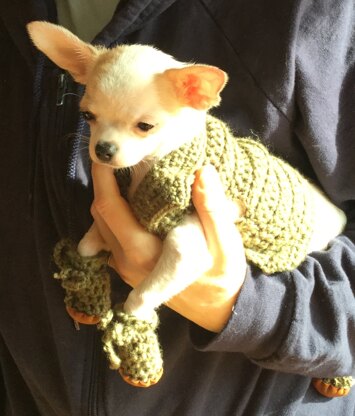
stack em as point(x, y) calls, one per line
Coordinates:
point(259, 320)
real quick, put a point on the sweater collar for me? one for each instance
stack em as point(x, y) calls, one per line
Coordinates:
point(177, 169)
point(169, 180)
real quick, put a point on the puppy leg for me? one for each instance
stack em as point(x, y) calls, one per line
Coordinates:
point(185, 257)
point(92, 243)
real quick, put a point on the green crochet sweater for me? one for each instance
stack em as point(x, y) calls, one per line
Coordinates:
point(277, 225)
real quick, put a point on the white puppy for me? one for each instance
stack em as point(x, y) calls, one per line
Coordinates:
point(142, 104)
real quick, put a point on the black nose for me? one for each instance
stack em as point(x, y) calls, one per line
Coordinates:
point(105, 151)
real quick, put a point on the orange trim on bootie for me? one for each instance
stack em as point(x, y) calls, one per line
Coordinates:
point(139, 383)
point(82, 318)
point(328, 390)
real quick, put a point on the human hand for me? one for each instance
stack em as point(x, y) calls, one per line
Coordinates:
point(209, 300)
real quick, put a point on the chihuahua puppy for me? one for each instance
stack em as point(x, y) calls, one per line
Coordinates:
point(142, 104)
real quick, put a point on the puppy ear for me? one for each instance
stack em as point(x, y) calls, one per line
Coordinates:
point(63, 48)
point(198, 86)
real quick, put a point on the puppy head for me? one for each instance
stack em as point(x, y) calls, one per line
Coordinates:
point(140, 103)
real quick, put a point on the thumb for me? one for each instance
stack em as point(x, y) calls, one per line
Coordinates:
point(112, 207)
point(217, 214)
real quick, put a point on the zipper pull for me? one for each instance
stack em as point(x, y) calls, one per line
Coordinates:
point(61, 89)
point(65, 88)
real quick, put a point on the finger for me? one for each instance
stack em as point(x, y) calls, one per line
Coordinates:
point(117, 259)
point(105, 232)
point(109, 204)
point(215, 213)
point(112, 207)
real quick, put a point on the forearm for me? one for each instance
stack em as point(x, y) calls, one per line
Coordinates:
point(301, 322)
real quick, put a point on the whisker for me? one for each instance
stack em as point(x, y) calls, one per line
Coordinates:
point(72, 136)
point(85, 139)
point(84, 142)
point(84, 146)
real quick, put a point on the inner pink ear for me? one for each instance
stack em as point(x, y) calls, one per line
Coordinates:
point(191, 87)
point(198, 86)
point(198, 93)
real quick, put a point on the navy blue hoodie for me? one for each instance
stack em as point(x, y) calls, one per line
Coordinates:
point(291, 65)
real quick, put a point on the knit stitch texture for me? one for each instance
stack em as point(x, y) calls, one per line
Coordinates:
point(278, 223)
point(132, 346)
point(340, 382)
point(85, 279)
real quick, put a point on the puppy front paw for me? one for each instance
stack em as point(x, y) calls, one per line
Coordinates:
point(92, 243)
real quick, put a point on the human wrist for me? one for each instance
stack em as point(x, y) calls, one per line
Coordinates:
point(208, 302)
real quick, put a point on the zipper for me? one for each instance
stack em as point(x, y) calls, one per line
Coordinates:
point(93, 394)
point(66, 87)
point(71, 176)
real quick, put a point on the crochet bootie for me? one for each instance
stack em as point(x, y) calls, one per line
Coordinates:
point(132, 347)
point(86, 282)
point(333, 387)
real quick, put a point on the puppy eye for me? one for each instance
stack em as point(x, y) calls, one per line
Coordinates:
point(88, 116)
point(144, 126)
